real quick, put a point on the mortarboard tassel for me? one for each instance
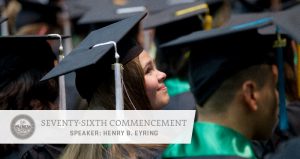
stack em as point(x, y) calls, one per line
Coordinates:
point(117, 67)
point(208, 20)
point(118, 85)
point(279, 44)
point(61, 79)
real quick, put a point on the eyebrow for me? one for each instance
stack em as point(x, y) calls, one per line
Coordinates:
point(149, 62)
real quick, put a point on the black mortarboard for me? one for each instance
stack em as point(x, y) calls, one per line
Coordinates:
point(22, 53)
point(160, 5)
point(221, 53)
point(35, 12)
point(176, 21)
point(76, 8)
point(287, 21)
point(236, 19)
point(106, 12)
point(91, 63)
point(173, 22)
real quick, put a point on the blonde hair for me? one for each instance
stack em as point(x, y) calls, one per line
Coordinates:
point(11, 11)
point(103, 96)
point(135, 96)
point(115, 151)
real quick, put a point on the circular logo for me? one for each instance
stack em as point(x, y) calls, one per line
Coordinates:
point(22, 126)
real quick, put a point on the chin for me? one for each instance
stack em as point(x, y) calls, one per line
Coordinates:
point(165, 101)
point(162, 103)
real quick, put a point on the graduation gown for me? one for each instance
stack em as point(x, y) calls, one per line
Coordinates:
point(212, 141)
point(181, 98)
point(182, 101)
point(29, 151)
point(278, 141)
point(286, 150)
point(209, 157)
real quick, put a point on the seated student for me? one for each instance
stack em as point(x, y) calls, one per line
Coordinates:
point(187, 17)
point(285, 144)
point(265, 147)
point(143, 83)
point(36, 18)
point(233, 79)
point(23, 62)
point(288, 149)
point(289, 20)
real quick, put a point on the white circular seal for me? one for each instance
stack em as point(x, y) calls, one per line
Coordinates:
point(22, 126)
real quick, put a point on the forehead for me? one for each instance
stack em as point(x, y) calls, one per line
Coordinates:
point(144, 58)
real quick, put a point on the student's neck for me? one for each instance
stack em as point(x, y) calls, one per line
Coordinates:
point(228, 119)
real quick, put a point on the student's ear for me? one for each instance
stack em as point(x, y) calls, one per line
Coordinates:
point(249, 95)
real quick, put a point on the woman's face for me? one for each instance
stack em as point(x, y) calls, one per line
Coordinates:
point(155, 88)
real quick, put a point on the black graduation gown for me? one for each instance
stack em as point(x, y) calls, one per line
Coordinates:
point(29, 151)
point(182, 101)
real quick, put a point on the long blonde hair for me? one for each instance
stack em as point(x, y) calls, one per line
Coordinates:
point(133, 75)
point(115, 151)
point(103, 96)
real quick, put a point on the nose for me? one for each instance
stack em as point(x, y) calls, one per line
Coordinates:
point(161, 76)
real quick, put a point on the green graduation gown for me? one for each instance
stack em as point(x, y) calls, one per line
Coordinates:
point(210, 140)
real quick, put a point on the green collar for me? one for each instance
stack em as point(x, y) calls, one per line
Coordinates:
point(210, 139)
point(176, 86)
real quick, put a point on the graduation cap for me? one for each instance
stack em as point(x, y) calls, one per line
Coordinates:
point(22, 53)
point(232, 54)
point(236, 19)
point(286, 22)
point(203, 82)
point(106, 11)
point(177, 21)
point(93, 57)
point(160, 5)
point(77, 8)
point(35, 12)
